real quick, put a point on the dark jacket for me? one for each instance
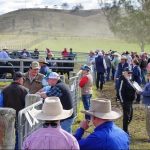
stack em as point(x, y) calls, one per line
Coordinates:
point(99, 63)
point(126, 91)
point(136, 74)
point(120, 69)
point(146, 94)
point(14, 96)
point(62, 91)
point(35, 85)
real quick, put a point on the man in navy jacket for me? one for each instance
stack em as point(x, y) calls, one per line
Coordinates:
point(106, 135)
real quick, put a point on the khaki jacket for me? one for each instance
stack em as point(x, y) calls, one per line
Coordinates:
point(35, 85)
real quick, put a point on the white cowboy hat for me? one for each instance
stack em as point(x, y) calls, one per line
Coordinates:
point(52, 109)
point(101, 108)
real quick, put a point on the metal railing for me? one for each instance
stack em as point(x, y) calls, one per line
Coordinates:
point(26, 121)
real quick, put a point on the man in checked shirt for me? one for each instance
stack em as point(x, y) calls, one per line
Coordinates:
point(61, 90)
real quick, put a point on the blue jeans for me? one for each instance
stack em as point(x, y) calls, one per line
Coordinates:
point(67, 124)
point(143, 74)
point(86, 103)
point(108, 74)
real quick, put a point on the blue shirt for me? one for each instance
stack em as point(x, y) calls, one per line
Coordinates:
point(146, 94)
point(105, 137)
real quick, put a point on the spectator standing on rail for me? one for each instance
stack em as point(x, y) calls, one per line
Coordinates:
point(33, 79)
point(36, 53)
point(4, 58)
point(86, 83)
point(65, 53)
point(51, 135)
point(25, 54)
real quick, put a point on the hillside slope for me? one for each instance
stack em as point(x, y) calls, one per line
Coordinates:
point(56, 22)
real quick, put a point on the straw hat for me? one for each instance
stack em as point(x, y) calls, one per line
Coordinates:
point(101, 108)
point(43, 60)
point(52, 109)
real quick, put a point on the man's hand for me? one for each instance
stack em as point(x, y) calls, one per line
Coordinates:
point(84, 124)
point(42, 94)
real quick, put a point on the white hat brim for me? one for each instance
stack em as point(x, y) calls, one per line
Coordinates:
point(112, 115)
point(42, 116)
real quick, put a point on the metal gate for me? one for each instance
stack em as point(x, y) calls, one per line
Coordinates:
point(26, 121)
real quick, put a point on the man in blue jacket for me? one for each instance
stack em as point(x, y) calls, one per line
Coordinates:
point(146, 100)
point(106, 135)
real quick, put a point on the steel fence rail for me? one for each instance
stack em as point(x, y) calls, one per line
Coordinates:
point(26, 121)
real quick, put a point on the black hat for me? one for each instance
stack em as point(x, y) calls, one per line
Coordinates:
point(127, 69)
point(17, 75)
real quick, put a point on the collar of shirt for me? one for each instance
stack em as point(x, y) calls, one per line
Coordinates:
point(104, 125)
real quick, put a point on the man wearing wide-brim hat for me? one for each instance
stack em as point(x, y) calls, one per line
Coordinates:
point(51, 135)
point(106, 135)
point(61, 90)
point(44, 69)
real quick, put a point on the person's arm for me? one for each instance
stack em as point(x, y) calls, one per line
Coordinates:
point(54, 91)
point(90, 142)
point(146, 91)
point(83, 81)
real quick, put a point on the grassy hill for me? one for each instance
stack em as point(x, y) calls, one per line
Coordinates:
point(82, 30)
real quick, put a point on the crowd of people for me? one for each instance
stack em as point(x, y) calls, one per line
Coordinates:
point(57, 110)
point(125, 70)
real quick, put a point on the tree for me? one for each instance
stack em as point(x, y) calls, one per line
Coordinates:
point(129, 20)
point(65, 5)
point(77, 7)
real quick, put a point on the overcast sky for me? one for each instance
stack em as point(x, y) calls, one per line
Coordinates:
point(11, 5)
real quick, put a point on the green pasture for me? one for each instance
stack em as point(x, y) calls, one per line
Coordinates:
point(78, 44)
point(86, 44)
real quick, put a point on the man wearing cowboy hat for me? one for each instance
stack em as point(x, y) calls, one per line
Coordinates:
point(44, 69)
point(51, 135)
point(61, 90)
point(106, 135)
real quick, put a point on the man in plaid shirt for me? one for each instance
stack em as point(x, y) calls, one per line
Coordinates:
point(61, 90)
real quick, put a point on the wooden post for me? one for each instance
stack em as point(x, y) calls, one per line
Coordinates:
point(31, 99)
point(7, 128)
